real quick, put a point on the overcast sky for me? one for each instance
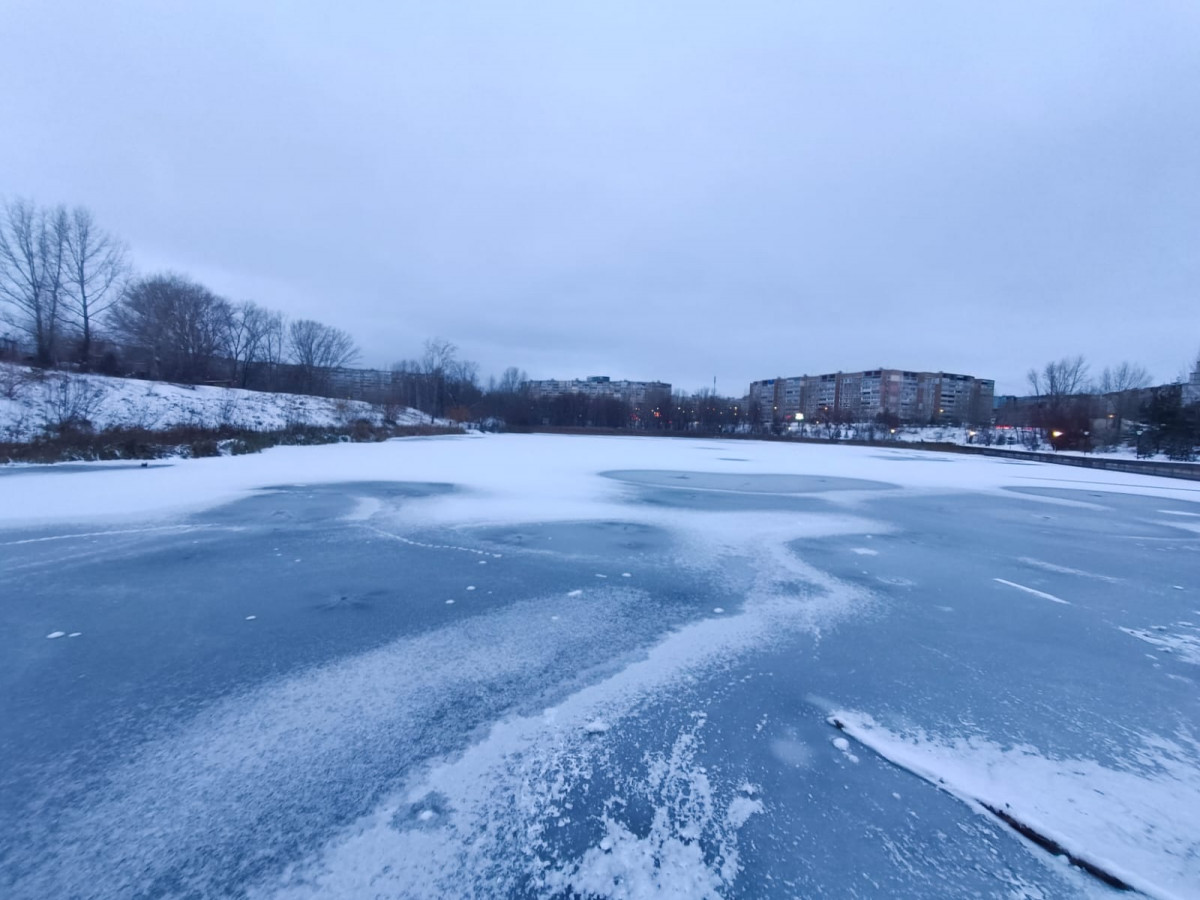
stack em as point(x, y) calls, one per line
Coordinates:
point(669, 191)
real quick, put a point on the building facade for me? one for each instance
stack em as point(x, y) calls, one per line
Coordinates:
point(636, 393)
point(918, 397)
point(1191, 387)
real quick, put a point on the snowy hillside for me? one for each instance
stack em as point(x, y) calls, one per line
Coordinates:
point(34, 403)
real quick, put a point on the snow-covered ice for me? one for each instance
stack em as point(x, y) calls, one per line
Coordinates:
point(621, 741)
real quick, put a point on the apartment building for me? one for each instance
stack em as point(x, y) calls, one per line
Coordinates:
point(636, 393)
point(1191, 387)
point(859, 396)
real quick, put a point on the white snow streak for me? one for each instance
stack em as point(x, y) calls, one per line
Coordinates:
point(1064, 570)
point(1036, 593)
point(1141, 822)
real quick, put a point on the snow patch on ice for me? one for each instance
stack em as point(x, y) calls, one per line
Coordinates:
point(1183, 640)
point(364, 508)
point(56, 634)
point(689, 851)
point(864, 551)
point(1139, 819)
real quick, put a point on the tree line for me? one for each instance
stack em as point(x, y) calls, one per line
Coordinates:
point(68, 291)
point(1070, 409)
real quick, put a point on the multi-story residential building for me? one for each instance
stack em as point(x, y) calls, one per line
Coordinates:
point(636, 393)
point(1191, 388)
point(859, 396)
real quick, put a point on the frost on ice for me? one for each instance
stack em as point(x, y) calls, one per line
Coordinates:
point(690, 849)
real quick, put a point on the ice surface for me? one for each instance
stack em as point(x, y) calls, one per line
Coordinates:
point(1140, 822)
point(609, 742)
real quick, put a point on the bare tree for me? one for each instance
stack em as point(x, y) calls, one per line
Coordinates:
point(182, 324)
point(274, 347)
point(1125, 377)
point(1122, 385)
point(317, 348)
point(1064, 413)
point(1064, 378)
point(436, 361)
point(96, 265)
point(511, 380)
point(32, 258)
point(462, 386)
point(255, 338)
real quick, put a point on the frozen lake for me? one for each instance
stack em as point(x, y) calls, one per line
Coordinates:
point(536, 666)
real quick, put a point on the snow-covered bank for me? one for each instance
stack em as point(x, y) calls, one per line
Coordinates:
point(34, 403)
